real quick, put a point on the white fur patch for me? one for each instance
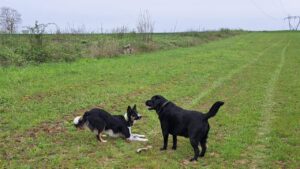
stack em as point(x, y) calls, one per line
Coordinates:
point(126, 116)
point(129, 128)
point(111, 133)
point(76, 120)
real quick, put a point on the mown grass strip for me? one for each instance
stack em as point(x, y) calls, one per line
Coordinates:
point(284, 149)
point(262, 139)
point(234, 129)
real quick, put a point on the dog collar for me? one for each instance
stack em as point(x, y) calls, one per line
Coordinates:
point(162, 106)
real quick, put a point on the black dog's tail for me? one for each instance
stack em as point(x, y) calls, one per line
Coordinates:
point(213, 110)
point(84, 117)
point(82, 121)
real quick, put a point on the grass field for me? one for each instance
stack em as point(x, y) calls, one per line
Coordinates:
point(256, 74)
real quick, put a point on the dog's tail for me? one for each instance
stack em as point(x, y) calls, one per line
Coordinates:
point(85, 117)
point(213, 110)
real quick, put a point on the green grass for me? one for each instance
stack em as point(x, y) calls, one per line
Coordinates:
point(256, 74)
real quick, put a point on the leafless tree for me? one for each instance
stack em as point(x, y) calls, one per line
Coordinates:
point(120, 31)
point(145, 25)
point(9, 19)
point(37, 34)
point(78, 30)
point(38, 41)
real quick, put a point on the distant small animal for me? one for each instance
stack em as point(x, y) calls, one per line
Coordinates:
point(177, 121)
point(127, 49)
point(100, 121)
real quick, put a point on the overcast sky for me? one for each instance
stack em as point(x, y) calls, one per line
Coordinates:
point(168, 15)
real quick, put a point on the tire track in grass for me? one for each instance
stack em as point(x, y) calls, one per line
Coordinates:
point(229, 76)
point(259, 153)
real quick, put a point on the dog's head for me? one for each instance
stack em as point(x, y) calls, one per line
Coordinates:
point(132, 115)
point(156, 102)
point(78, 122)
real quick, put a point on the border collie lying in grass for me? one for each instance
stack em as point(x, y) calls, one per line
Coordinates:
point(99, 121)
point(177, 121)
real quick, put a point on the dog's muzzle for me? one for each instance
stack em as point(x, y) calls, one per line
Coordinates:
point(138, 117)
point(148, 104)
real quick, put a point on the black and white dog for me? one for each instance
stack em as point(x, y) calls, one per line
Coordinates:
point(177, 121)
point(100, 121)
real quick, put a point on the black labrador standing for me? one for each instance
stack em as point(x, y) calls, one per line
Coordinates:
point(180, 122)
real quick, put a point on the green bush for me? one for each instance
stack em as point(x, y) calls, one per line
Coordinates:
point(37, 55)
point(9, 57)
point(64, 52)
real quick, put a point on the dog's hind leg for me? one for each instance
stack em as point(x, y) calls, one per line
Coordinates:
point(99, 137)
point(203, 147)
point(97, 126)
point(194, 143)
point(203, 143)
point(97, 132)
point(174, 142)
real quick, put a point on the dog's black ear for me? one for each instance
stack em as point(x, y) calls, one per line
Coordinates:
point(128, 109)
point(134, 107)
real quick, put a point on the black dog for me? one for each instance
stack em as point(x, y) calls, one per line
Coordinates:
point(99, 121)
point(180, 122)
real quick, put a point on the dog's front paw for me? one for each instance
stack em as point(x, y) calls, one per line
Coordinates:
point(140, 135)
point(163, 148)
point(174, 148)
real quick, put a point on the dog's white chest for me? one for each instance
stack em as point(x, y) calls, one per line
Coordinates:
point(112, 134)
